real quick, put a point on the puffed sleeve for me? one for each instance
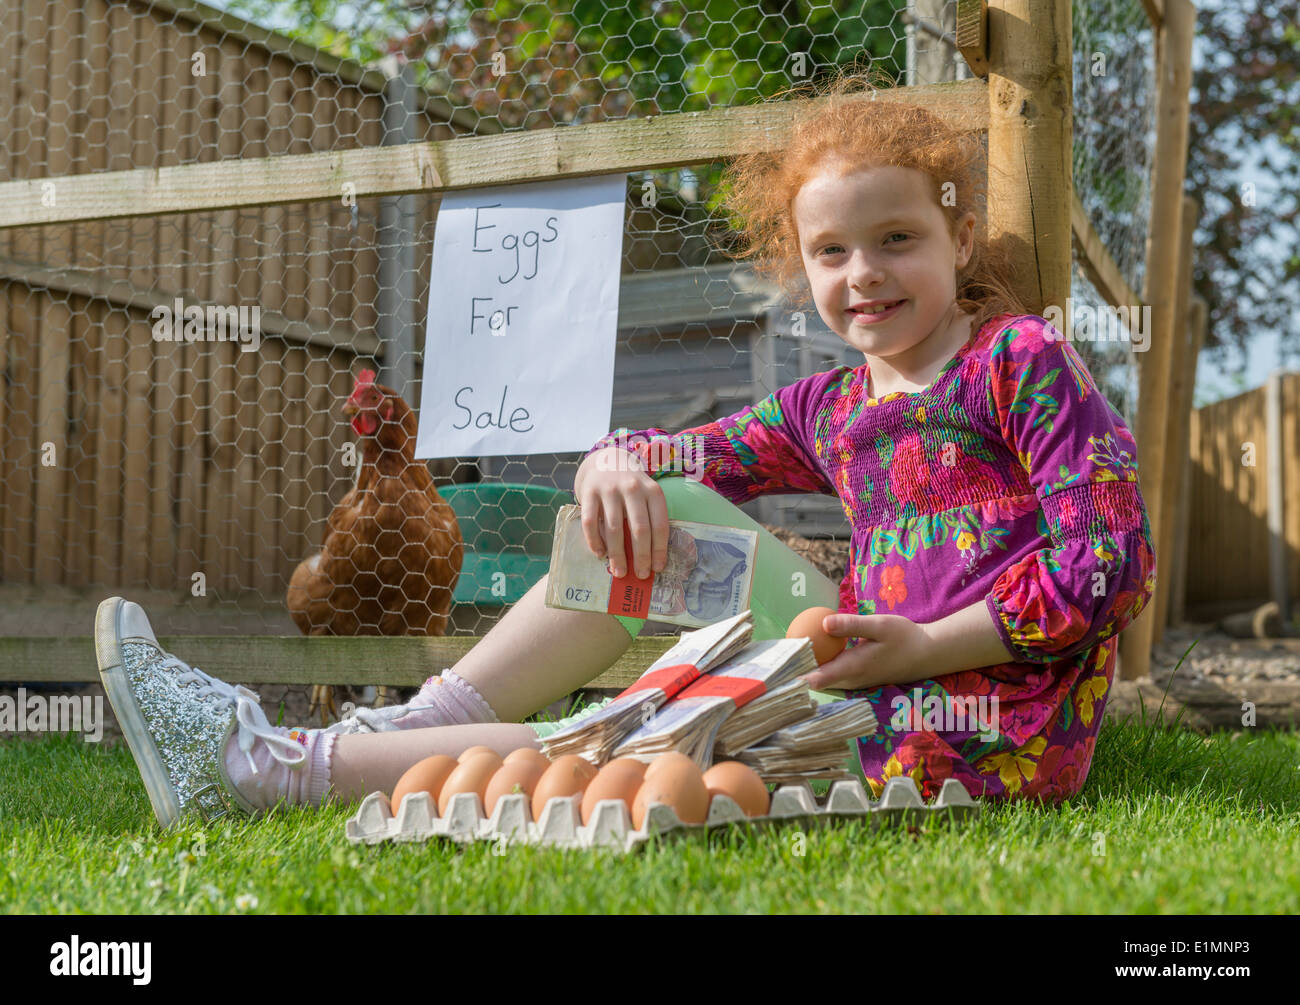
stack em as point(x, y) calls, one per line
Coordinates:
point(1081, 459)
point(768, 448)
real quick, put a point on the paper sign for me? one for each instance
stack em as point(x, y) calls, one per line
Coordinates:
point(523, 316)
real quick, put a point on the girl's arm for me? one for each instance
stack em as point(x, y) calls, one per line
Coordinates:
point(1099, 571)
point(764, 449)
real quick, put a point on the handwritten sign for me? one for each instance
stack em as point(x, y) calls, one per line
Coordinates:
point(523, 312)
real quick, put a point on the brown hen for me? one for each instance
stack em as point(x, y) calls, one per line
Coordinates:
point(393, 549)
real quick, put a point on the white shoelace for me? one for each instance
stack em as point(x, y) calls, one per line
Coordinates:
point(253, 724)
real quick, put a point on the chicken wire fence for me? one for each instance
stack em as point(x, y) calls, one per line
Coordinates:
point(196, 476)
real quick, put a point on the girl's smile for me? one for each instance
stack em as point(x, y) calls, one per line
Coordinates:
point(882, 264)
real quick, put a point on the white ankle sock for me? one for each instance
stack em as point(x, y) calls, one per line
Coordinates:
point(449, 700)
point(267, 780)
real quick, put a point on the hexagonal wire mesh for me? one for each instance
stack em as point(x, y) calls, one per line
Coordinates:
point(198, 476)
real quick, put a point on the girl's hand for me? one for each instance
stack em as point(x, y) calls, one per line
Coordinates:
point(892, 650)
point(615, 492)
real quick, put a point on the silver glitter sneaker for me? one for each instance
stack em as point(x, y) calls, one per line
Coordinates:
point(178, 720)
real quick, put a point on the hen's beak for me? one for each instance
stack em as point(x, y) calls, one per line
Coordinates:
point(350, 408)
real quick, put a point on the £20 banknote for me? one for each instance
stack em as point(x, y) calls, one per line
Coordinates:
point(708, 576)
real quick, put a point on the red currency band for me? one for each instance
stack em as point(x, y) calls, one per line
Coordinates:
point(741, 690)
point(670, 680)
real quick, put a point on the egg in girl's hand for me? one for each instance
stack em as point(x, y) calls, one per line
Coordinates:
point(428, 776)
point(469, 752)
point(529, 755)
point(674, 779)
point(519, 776)
point(567, 776)
point(472, 774)
point(808, 625)
point(742, 783)
point(621, 779)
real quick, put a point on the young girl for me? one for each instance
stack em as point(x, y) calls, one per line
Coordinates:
point(999, 540)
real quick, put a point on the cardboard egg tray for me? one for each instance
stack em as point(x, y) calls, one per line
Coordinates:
point(611, 825)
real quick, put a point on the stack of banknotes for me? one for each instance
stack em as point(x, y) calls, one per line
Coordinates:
point(708, 576)
point(695, 654)
point(717, 695)
point(813, 748)
point(691, 720)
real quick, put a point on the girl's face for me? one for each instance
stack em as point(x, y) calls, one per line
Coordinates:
point(875, 237)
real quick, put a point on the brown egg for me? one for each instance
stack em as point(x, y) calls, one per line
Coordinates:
point(619, 779)
point(428, 776)
point(567, 776)
point(680, 785)
point(673, 758)
point(808, 625)
point(529, 755)
point(469, 752)
point(512, 777)
point(471, 775)
point(741, 783)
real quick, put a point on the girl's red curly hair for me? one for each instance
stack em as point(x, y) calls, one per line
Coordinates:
point(850, 129)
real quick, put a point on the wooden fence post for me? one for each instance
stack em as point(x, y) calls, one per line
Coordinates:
point(1030, 132)
point(398, 225)
point(1277, 546)
point(1174, 72)
point(1179, 409)
point(1196, 324)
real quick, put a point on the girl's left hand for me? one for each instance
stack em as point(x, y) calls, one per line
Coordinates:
point(892, 650)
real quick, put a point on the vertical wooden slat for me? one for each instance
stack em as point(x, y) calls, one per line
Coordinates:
point(323, 98)
point(319, 425)
point(110, 444)
point(1291, 451)
point(266, 461)
point(7, 292)
point(136, 523)
point(31, 111)
point(51, 440)
point(94, 150)
point(222, 542)
point(365, 282)
point(277, 91)
point(82, 390)
point(56, 493)
point(59, 71)
point(20, 455)
point(294, 482)
point(243, 537)
point(1179, 405)
point(172, 67)
point(1161, 278)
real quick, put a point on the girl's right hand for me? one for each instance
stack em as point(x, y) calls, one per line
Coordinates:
point(614, 490)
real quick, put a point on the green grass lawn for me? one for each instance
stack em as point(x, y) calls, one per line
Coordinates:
point(1169, 822)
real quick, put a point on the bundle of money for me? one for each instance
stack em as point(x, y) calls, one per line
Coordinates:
point(708, 577)
point(689, 722)
point(695, 653)
point(762, 717)
point(817, 747)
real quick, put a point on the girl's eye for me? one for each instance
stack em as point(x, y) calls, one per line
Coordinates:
point(900, 234)
point(827, 249)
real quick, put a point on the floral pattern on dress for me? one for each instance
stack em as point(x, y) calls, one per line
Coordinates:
point(1010, 481)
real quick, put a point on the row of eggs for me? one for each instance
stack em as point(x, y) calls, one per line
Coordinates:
point(671, 778)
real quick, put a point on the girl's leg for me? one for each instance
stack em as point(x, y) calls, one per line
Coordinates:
point(538, 654)
point(364, 762)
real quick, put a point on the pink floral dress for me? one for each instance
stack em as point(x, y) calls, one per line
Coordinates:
point(1009, 481)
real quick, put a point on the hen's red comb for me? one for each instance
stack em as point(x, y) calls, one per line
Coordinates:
point(365, 377)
